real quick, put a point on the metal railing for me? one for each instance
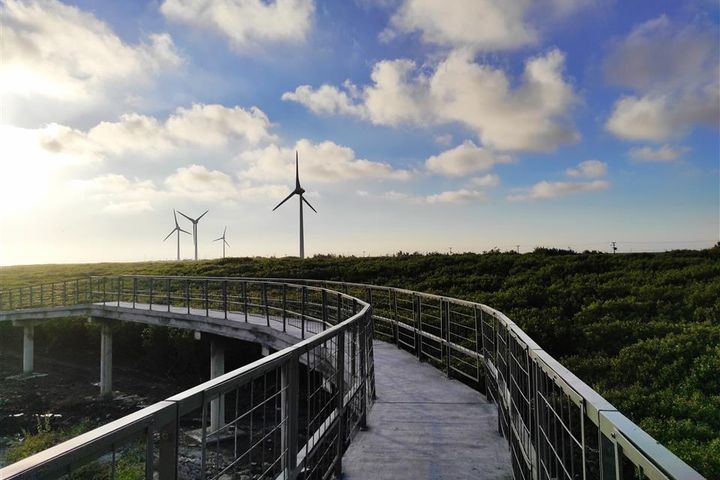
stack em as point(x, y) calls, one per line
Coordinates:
point(556, 426)
point(289, 414)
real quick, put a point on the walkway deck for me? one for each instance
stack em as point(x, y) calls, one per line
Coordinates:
point(425, 426)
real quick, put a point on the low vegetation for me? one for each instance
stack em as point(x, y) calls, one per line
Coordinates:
point(642, 329)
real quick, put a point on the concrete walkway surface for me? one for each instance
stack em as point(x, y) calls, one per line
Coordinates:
point(425, 426)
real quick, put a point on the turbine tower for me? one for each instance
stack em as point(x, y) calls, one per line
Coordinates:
point(299, 191)
point(223, 240)
point(178, 230)
point(194, 222)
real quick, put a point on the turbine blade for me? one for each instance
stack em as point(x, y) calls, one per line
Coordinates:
point(168, 235)
point(286, 199)
point(308, 204)
point(217, 239)
point(175, 215)
point(198, 219)
point(184, 231)
point(224, 230)
point(181, 213)
point(297, 172)
point(226, 243)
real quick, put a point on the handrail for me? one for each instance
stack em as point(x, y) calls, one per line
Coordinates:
point(337, 386)
point(543, 408)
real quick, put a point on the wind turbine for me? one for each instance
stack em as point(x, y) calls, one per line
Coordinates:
point(299, 191)
point(178, 230)
point(223, 240)
point(194, 222)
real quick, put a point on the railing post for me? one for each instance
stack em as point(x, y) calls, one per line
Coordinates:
point(289, 378)
point(120, 285)
point(42, 298)
point(105, 290)
point(324, 309)
point(167, 286)
point(167, 446)
point(224, 297)
point(187, 295)
point(445, 314)
point(52, 294)
point(284, 306)
point(207, 303)
point(340, 400)
point(353, 346)
point(31, 297)
point(363, 327)
point(65, 293)
point(134, 292)
point(395, 317)
point(152, 284)
point(417, 310)
point(245, 300)
point(302, 313)
point(265, 303)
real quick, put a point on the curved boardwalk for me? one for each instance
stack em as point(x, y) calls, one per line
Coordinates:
point(425, 426)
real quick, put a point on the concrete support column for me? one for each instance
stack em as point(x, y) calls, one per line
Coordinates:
point(28, 348)
point(105, 360)
point(217, 368)
point(264, 351)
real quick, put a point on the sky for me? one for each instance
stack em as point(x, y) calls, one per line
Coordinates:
point(420, 125)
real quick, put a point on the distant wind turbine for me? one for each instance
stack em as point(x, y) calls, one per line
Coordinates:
point(178, 230)
point(299, 191)
point(223, 240)
point(194, 222)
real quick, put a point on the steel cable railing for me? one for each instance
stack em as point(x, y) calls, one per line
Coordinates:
point(557, 427)
point(291, 413)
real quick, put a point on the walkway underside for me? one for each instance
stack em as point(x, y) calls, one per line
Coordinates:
point(425, 426)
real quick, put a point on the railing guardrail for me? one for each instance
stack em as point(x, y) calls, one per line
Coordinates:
point(289, 414)
point(557, 427)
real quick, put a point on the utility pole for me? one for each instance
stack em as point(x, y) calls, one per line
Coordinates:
point(613, 247)
point(450, 249)
point(518, 248)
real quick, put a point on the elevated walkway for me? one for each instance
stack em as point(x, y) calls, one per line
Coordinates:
point(305, 410)
point(425, 426)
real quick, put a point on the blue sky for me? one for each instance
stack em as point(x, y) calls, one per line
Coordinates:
point(421, 125)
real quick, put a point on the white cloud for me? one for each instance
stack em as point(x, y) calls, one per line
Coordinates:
point(545, 190)
point(456, 196)
point(588, 169)
point(200, 183)
point(199, 125)
point(488, 180)
point(463, 195)
point(662, 154)
point(476, 24)
point(59, 51)
point(532, 116)
point(465, 159)
point(319, 162)
point(246, 23)
point(119, 194)
point(326, 100)
point(674, 71)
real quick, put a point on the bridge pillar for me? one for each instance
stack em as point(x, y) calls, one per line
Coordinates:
point(264, 351)
point(217, 368)
point(105, 360)
point(28, 348)
point(28, 327)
